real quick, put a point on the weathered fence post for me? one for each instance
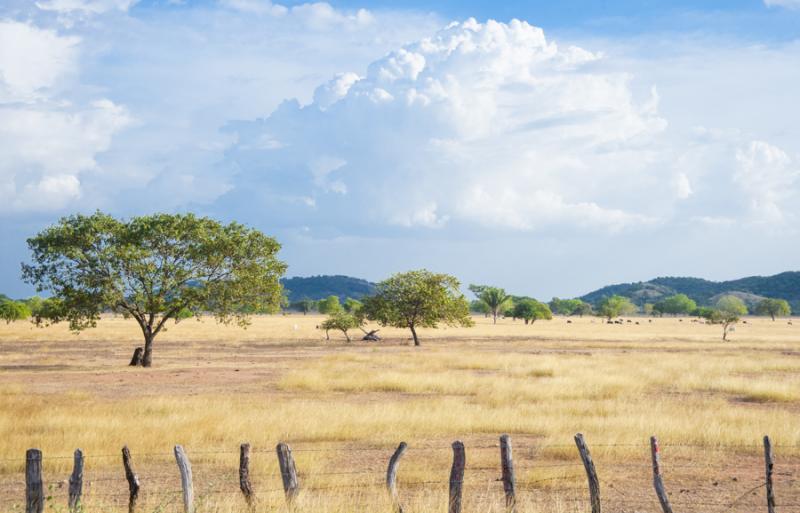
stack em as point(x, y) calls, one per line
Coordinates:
point(185, 468)
point(76, 483)
point(457, 477)
point(34, 487)
point(507, 466)
point(288, 472)
point(658, 481)
point(770, 463)
point(591, 473)
point(391, 475)
point(244, 475)
point(132, 478)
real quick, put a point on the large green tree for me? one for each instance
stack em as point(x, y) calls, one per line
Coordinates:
point(773, 307)
point(418, 299)
point(495, 298)
point(154, 269)
point(614, 306)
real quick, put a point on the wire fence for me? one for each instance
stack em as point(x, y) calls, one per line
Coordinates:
point(716, 478)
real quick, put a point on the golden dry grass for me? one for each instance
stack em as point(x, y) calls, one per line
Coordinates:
point(344, 407)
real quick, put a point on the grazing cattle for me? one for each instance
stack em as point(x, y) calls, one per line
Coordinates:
point(637, 323)
point(569, 322)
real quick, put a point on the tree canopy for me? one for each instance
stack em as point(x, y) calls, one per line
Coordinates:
point(352, 305)
point(341, 321)
point(773, 308)
point(566, 306)
point(495, 298)
point(152, 268)
point(329, 305)
point(418, 299)
point(614, 306)
point(11, 310)
point(731, 305)
point(530, 310)
point(674, 305)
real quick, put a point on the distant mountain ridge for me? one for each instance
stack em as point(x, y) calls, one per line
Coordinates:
point(320, 287)
point(785, 285)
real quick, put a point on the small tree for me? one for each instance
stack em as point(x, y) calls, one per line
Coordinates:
point(725, 318)
point(305, 305)
point(479, 307)
point(341, 321)
point(773, 308)
point(565, 306)
point(530, 310)
point(152, 268)
point(11, 311)
point(352, 305)
point(677, 304)
point(731, 304)
point(583, 309)
point(614, 306)
point(418, 299)
point(329, 305)
point(495, 298)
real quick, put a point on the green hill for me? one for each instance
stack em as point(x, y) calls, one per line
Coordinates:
point(784, 286)
point(320, 287)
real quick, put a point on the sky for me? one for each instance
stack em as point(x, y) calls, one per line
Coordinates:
point(550, 148)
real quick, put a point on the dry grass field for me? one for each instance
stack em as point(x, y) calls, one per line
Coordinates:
point(344, 408)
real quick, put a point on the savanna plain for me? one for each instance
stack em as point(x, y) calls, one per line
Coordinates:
point(344, 407)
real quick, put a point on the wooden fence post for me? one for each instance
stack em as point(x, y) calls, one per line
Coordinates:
point(591, 473)
point(244, 475)
point(132, 478)
point(770, 463)
point(507, 466)
point(391, 475)
point(34, 487)
point(291, 486)
point(457, 477)
point(658, 481)
point(185, 468)
point(76, 483)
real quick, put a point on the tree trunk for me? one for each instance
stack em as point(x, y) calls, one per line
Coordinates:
point(414, 334)
point(773, 317)
point(494, 315)
point(136, 360)
point(346, 335)
point(147, 359)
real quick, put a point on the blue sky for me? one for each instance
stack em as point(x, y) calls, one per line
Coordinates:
point(547, 147)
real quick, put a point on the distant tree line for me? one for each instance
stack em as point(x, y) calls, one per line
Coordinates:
point(169, 267)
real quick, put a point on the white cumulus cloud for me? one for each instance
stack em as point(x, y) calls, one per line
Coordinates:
point(767, 176)
point(46, 142)
point(485, 123)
